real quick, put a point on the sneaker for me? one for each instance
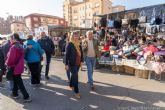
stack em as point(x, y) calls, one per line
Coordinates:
point(27, 100)
point(14, 96)
point(77, 96)
point(47, 77)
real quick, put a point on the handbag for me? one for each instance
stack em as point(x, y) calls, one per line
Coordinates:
point(124, 21)
point(152, 22)
point(142, 18)
point(162, 28)
point(1, 72)
point(9, 74)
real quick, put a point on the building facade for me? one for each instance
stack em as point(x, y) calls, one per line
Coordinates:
point(80, 14)
point(35, 20)
point(17, 27)
point(118, 8)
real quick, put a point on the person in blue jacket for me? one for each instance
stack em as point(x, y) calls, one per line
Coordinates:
point(33, 56)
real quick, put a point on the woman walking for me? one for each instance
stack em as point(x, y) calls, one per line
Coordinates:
point(74, 58)
point(15, 61)
point(33, 57)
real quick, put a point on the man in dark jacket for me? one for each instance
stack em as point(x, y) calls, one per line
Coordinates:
point(48, 46)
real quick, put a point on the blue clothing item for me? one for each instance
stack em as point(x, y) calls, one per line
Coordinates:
point(33, 54)
point(74, 78)
point(90, 62)
point(111, 23)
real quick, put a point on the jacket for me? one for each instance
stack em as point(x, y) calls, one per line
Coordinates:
point(71, 54)
point(2, 61)
point(95, 45)
point(35, 53)
point(5, 48)
point(47, 45)
point(15, 59)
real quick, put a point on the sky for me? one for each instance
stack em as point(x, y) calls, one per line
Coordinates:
point(55, 7)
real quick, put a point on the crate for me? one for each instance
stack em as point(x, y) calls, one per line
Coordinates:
point(118, 68)
point(141, 73)
point(129, 70)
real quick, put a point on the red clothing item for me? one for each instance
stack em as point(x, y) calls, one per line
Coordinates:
point(78, 59)
point(152, 48)
point(15, 58)
point(106, 48)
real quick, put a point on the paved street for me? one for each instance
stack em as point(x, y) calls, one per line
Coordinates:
point(113, 92)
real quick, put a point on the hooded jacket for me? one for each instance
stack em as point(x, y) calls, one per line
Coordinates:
point(35, 53)
point(15, 58)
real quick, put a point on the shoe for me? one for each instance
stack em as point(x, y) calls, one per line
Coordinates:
point(77, 96)
point(2, 85)
point(93, 88)
point(14, 96)
point(27, 100)
point(47, 77)
point(33, 85)
point(38, 85)
point(72, 88)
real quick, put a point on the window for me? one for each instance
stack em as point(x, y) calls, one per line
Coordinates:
point(35, 19)
point(74, 11)
point(62, 22)
point(97, 4)
point(36, 25)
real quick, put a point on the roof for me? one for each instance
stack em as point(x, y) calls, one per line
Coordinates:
point(130, 10)
point(18, 22)
point(43, 15)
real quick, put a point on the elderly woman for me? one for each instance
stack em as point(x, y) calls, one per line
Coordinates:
point(15, 61)
point(33, 57)
point(74, 58)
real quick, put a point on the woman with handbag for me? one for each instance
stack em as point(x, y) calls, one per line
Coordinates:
point(15, 61)
point(33, 57)
point(74, 58)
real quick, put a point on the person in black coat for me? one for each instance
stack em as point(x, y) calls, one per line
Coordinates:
point(74, 59)
point(47, 45)
point(2, 65)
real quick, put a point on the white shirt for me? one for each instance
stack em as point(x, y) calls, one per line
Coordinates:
point(91, 51)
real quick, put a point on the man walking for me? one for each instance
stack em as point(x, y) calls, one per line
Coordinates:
point(48, 46)
point(90, 48)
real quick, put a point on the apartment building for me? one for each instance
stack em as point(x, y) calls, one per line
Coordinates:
point(17, 27)
point(80, 14)
point(118, 8)
point(36, 20)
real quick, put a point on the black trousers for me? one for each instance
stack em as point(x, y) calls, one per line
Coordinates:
point(35, 72)
point(18, 83)
point(0, 78)
point(74, 78)
point(48, 60)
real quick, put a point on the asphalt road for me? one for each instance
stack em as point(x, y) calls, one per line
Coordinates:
point(113, 92)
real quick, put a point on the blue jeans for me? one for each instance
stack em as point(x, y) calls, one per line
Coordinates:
point(90, 62)
point(74, 78)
